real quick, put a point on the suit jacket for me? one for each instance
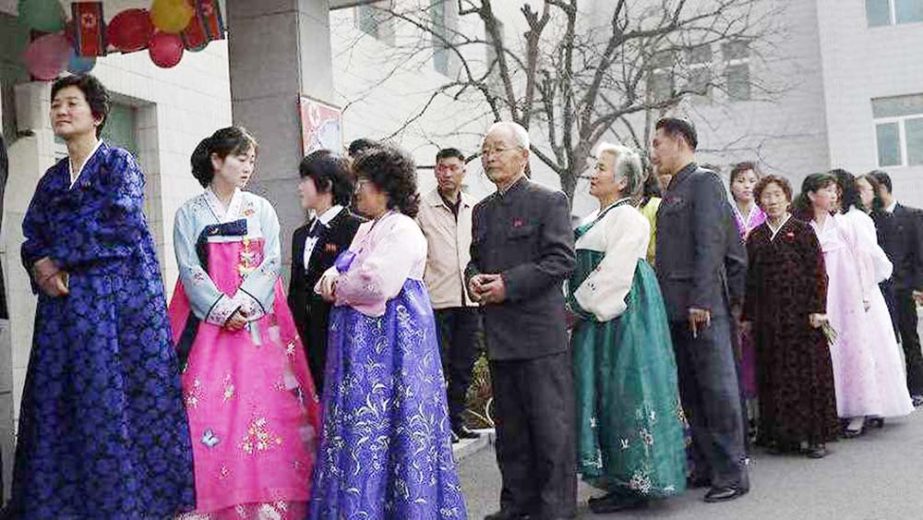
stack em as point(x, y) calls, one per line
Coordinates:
point(526, 237)
point(308, 308)
point(701, 260)
point(900, 234)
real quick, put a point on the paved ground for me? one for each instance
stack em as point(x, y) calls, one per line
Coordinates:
point(876, 477)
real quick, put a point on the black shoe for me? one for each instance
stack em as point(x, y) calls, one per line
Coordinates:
point(462, 432)
point(614, 502)
point(817, 451)
point(878, 422)
point(917, 401)
point(724, 494)
point(505, 514)
point(697, 481)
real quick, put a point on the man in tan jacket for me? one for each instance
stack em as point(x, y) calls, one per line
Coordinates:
point(445, 218)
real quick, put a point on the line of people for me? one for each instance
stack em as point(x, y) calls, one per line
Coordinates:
point(631, 351)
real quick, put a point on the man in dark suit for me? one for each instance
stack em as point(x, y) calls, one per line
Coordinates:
point(699, 266)
point(900, 234)
point(522, 250)
point(326, 190)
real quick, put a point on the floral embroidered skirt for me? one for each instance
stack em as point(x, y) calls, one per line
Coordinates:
point(629, 418)
point(385, 450)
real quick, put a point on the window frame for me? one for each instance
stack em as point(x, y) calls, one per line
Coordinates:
point(892, 16)
point(901, 139)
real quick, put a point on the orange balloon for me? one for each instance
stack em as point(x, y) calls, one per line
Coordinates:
point(171, 16)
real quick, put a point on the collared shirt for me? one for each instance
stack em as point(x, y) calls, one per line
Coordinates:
point(314, 231)
point(891, 207)
point(70, 164)
point(773, 231)
point(449, 249)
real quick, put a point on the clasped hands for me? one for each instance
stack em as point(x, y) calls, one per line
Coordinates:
point(50, 278)
point(487, 288)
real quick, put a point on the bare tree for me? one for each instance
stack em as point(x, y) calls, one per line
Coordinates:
point(581, 73)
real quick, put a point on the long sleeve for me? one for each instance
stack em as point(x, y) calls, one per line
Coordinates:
point(473, 268)
point(604, 291)
point(207, 302)
point(710, 214)
point(257, 292)
point(916, 245)
point(815, 267)
point(556, 260)
point(752, 293)
point(35, 229)
point(882, 268)
point(110, 225)
point(378, 274)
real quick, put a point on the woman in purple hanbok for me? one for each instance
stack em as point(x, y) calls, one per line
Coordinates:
point(748, 216)
point(385, 450)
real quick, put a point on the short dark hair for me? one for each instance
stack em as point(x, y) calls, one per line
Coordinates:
point(447, 153)
point(357, 146)
point(778, 180)
point(93, 90)
point(849, 192)
point(232, 140)
point(330, 174)
point(392, 171)
point(742, 167)
point(883, 178)
point(674, 126)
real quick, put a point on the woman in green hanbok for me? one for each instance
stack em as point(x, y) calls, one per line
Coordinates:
point(629, 418)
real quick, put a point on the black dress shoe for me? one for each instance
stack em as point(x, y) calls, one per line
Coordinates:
point(818, 451)
point(723, 494)
point(614, 502)
point(462, 432)
point(917, 401)
point(505, 514)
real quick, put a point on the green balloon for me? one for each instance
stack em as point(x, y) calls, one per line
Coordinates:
point(42, 15)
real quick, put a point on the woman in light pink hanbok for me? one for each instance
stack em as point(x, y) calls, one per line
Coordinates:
point(253, 413)
point(856, 372)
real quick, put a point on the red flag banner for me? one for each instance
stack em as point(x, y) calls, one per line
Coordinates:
point(89, 28)
point(207, 25)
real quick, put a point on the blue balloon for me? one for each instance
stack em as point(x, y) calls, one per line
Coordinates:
point(80, 64)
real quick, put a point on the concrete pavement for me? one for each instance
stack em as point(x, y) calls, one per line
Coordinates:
point(878, 476)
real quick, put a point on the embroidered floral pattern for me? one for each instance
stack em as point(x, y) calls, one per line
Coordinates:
point(259, 437)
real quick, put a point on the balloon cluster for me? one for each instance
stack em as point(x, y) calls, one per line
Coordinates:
point(166, 30)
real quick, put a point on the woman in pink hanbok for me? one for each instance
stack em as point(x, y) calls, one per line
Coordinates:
point(748, 216)
point(856, 373)
point(253, 413)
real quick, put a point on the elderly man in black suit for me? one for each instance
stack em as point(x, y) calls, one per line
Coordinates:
point(326, 190)
point(900, 234)
point(699, 265)
point(522, 250)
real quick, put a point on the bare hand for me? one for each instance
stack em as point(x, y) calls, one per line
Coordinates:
point(49, 278)
point(493, 289)
point(237, 321)
point(328, 286)
point(918, 297)
point(699, 319)
point(817, 320)
point(475, 286)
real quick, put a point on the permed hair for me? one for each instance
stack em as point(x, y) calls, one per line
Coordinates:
point(392, 171)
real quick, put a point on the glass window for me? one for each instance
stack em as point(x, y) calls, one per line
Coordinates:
point(662, 85)
point(878, 12)
point(120, 128)
point(738, 82)
point(698, 81)
point(735, 50)
point(889, 144)
point(440, 33)
point(367, 21)
point(699, 54)
point(897, 106)
point(913, 132)
point(908, 11)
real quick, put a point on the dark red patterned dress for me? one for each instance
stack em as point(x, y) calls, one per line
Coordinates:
point(786, 282)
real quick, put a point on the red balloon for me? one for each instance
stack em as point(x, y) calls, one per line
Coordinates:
point(165, 49)
point(130, 30)
point(46, 56)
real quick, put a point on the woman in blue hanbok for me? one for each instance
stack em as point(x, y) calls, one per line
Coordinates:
point(385, 450)
point(102, 430)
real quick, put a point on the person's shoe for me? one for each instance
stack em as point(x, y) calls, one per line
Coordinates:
point(855, 428)
point(454, 437)
point(817, 451)
point(614, 502)
point(724, 494)
point(917, 400)
point(462, 432)
point(505, 514)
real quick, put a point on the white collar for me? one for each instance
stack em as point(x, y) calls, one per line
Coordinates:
point(775, 231)
point(330, 214)
point(746, 221)
point(891, 207)
point(221, 213)
point(70, 164)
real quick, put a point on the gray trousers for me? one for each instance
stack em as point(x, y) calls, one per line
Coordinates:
point(709, 390)
point(536, 439)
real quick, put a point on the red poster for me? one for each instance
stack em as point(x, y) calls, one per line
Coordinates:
point(89, 28)
point(321, 126)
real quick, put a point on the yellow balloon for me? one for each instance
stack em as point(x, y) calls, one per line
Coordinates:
point(171, 16)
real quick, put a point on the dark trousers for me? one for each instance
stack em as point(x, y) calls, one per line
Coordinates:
point(457, 328)
point(712, 401)
point(536, 445)
point(910, 340)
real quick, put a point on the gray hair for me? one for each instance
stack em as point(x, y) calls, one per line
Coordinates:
point(520, 134)
point(627, 165)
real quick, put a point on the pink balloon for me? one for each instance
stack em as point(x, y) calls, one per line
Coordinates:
point(47, 56)
point(165, 49)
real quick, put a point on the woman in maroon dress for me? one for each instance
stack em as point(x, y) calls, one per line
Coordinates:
point(784, 306)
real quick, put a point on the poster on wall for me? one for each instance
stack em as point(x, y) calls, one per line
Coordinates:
point(321, 126)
